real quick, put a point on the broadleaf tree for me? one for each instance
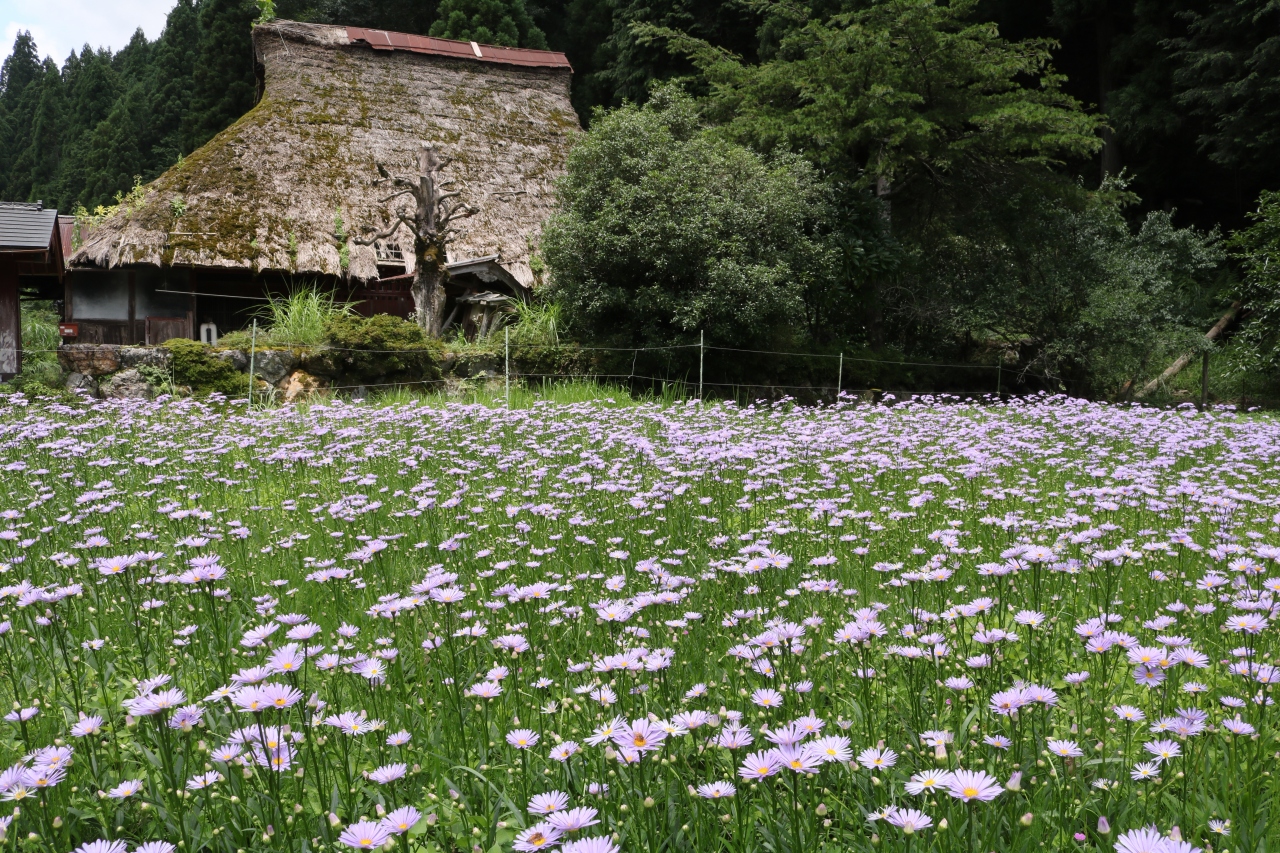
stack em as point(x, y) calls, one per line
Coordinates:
point(666, 230)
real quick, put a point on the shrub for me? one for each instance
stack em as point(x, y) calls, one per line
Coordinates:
point(380, 348)
point(558, 361)
point(195, 367)
point(1255, 248)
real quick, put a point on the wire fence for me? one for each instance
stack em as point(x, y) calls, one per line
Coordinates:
point(684, 369)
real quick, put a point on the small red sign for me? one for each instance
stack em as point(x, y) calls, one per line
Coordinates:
point(69, 330)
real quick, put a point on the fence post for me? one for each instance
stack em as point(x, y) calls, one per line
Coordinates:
point(1204, 382)
point(253, 349)
point(701, 349)
point(840, 378)
point(506, 348)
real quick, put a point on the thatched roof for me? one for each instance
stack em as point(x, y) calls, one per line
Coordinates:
point(268, 192)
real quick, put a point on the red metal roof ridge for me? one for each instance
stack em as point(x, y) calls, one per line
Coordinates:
point(388, 40)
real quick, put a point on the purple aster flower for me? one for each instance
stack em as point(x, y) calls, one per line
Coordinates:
point(365, 835)
point(540, 836)
point(573, 820)
point(969, 785)
point(401, 820)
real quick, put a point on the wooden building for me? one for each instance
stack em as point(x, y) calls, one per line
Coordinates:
point(278, 199)
point(30, 262)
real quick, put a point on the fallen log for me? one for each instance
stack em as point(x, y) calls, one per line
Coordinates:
point(1185, 359)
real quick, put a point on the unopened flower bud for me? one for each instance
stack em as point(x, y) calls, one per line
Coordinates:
point(822, 809)
point(1026, 819)
point(1104, 826)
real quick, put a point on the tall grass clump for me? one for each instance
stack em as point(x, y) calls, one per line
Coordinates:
point(301, 317)
point(536, 324)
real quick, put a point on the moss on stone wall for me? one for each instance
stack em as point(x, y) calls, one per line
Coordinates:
point(378, 349)
point(195, 367)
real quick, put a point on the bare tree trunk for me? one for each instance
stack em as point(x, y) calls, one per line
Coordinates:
point(1104, 31)
point(1185, 359)
point(429, 277)
point(875, 311)
point(435, 209)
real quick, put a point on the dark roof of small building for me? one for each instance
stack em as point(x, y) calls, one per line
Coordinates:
point(387, 40)
point(26, 226)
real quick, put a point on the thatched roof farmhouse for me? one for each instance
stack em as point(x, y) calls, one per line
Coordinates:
point(285, 191)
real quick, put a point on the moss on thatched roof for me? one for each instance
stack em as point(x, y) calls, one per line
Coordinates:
point(289, 185)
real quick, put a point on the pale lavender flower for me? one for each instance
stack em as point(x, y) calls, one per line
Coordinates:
point(365, 835)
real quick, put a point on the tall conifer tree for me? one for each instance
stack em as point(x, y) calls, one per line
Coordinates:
point(224, 83)
point(173, 77)
point(19, 83)
point(501, 22)
point(43, 155)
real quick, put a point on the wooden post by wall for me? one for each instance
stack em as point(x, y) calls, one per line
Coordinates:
point(1204, 382)
point(133, 309)
point(10, 320)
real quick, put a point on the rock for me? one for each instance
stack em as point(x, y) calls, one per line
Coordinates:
point(300, 385)
point(82, 383)
point(89, 359)
point(273, 365)
point(145, 357)
point(238, 359)
point(127, 385)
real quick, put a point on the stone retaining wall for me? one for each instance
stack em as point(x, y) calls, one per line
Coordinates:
point(112, 371)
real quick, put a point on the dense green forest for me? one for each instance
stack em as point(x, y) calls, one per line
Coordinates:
point(1055, 183)
point(1188, 87)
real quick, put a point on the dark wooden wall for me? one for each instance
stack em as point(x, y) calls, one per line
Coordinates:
point(10, 318)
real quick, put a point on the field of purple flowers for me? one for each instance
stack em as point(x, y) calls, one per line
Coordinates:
point(1040, 625)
